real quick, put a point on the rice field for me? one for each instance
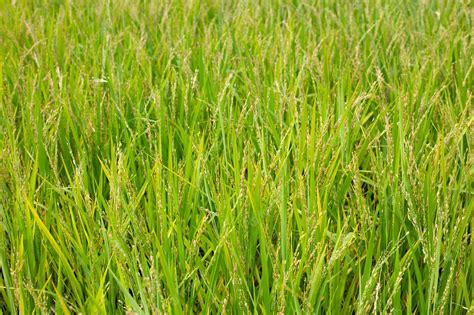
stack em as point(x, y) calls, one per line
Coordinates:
point(221, 156)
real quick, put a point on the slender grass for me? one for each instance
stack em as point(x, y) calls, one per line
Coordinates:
point(265, 156)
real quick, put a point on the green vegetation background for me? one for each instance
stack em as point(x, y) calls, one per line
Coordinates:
point(236, 156)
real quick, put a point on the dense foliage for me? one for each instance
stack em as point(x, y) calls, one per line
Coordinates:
point(236, 156)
